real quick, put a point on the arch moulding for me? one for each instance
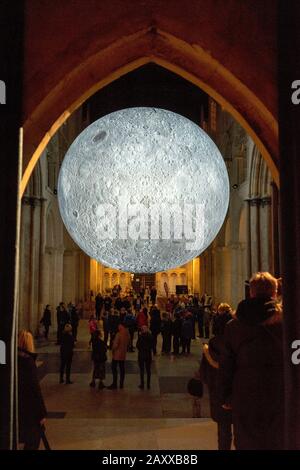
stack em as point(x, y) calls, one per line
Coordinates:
point(128, 53)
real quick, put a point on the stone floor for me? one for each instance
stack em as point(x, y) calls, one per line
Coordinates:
point(161, 418)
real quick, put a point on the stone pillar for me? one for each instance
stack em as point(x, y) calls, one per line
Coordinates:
point(196, 275)
point(265, 234)
point(275, 230)
point(255, 234)
point(289, 125)
point(42, 301)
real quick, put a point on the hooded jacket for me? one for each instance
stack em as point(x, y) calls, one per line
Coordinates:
point(251, 373)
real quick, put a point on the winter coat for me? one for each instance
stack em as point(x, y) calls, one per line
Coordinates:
point(99, 351)
point(67, 345)
point(155, 321)
point(46, 319)
point(141, 320)
point(251, 374)
point(74, 317)
point(187, 328)
point(209, 374)
point(144, 346)
point(176, 327)
point(30, 401)
point(120, 345)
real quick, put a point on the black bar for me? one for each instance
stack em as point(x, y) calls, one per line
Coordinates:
point(11, 71)
point(289, 139)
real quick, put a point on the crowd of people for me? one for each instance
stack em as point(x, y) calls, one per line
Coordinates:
point(241, 363)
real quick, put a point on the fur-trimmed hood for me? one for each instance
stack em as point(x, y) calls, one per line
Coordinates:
point(259, 310)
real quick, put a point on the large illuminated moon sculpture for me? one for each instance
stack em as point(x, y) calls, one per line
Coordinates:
point(143, 190)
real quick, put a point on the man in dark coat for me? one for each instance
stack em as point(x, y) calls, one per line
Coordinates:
point(98, 305)
point(153, 294)
point(155, 325)
point(74, 318)
point(46, 320)
point(66, 354)
point(209, 374)
point(176, 332)
point(144, 347)
point(251, 368)
point(63, 318)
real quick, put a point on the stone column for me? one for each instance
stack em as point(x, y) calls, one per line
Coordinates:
point(265, 234)
point(255, 234)
point(196, 275)
point(42, 260)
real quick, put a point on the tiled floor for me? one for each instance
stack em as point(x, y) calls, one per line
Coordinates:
point(161, 418)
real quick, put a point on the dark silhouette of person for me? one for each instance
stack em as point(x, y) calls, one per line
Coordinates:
point(209, 374)
point(144, 347)
point(46, 320)
point(66, 353)
point(166, 331)
point(176, 332)
point(251, 368)
point(99, 358)
point(155, 325)
point(74, 318)
point(63, 318)
point(98, 305)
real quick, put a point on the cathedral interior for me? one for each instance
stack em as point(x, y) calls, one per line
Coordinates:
point(219, 64)
point(54, 269)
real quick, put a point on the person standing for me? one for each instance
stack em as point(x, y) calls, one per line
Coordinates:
point(63, 318)
point(99, 358)
point(66, 354)
point(74, 318)
point(119, 350)
point(98, 305)
point(31, 407)
point(46, 320)
point(176, 332)
point(209, 374)
point(130, 323)
point(155, 325)
point(153, 294)
point(144, 347)
point(147, 295)
point(166, 331)
point(251, 368)
point(186, 333)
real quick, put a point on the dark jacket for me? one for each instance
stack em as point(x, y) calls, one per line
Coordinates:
point(176, 327)
point(31, 404)
point(187, 328)
point(74, 317)
point(209, 374)
point(46, 319)
point(155, 321)
point(144, 346)
point(99, 350)
point(67, 345)
point(251, 374)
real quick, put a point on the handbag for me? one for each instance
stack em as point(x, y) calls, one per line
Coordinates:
point(195, 387)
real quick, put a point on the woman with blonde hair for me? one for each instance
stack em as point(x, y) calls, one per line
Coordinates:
point(32, 410)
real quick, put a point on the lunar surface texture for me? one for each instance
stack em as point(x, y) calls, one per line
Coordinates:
point(143, 190)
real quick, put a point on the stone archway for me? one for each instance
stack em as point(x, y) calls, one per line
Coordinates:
point(91, 55)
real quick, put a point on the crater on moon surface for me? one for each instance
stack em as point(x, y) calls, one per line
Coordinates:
point(143, 190)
